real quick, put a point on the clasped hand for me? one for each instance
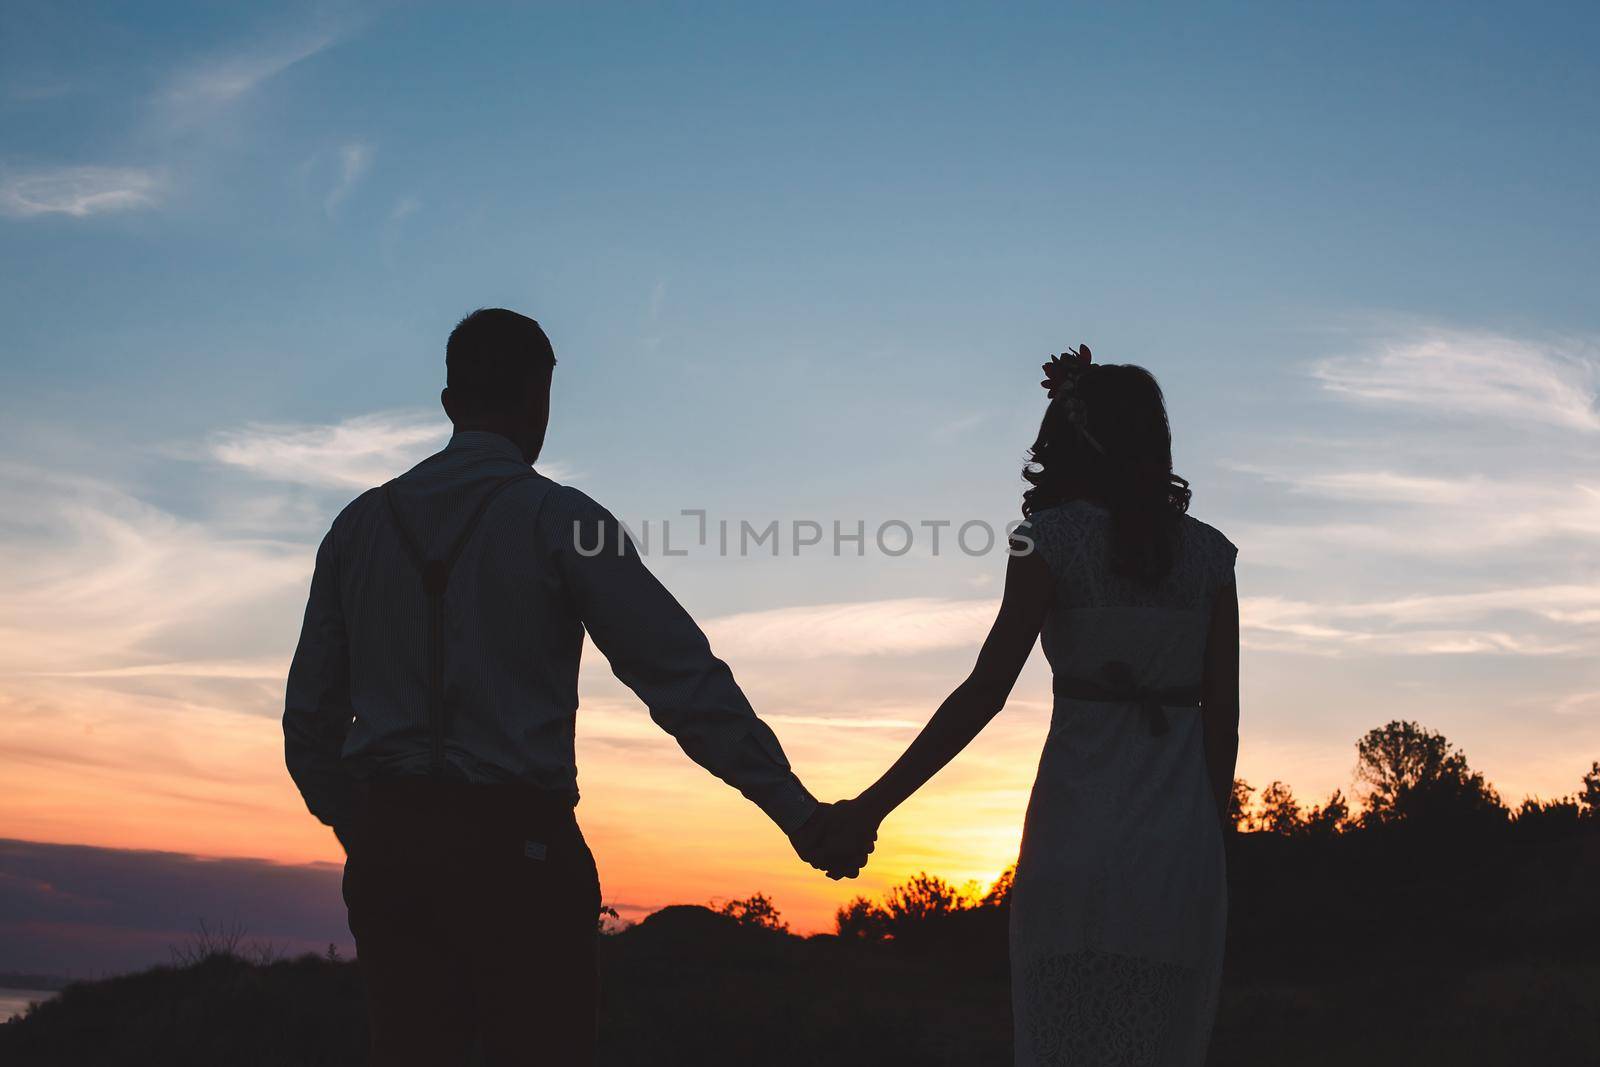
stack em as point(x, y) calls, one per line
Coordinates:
point(837, 838)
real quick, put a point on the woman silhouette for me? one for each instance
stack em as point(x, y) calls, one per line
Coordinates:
point(1120, 901)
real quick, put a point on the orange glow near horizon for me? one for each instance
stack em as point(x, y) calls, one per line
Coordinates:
point(211, 783)
point(140, 769)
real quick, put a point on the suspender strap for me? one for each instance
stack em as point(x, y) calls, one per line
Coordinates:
point(435, 575)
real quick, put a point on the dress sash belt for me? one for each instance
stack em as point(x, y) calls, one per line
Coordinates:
point(1118, 685)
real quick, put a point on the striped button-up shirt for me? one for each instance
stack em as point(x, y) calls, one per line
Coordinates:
point(544, 564)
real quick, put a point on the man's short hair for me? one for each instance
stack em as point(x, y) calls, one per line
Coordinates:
point(490, 355)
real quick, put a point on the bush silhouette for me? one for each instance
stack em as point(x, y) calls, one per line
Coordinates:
point(1547, 820)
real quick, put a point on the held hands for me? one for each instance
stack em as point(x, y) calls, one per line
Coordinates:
point(837, 839)
point(852, 828)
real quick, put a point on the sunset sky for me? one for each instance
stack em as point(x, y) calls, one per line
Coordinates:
point(797, 264)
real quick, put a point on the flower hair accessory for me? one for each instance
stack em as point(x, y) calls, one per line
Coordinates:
point(1061, 382)
point(1063, 370)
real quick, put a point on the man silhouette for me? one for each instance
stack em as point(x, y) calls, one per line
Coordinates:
point(430, 712)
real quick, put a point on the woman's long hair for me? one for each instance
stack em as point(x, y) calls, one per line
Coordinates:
point(1130, 474)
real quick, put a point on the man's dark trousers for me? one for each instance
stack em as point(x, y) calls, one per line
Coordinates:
point(475, 912)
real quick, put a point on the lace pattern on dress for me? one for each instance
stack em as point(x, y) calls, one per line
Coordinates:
point(1074, 539)
point(1100, 1009)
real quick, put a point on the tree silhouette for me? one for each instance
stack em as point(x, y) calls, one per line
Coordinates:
point(1413, 774)
point(999, 894)
point(755, 910)
point(906, 908)
point(862, 920)
point(1239, 804)
point(924, 896)
point(1329, 818)
point(1280, 812)
point(1410, 775)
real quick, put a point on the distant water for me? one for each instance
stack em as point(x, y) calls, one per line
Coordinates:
point(16, 1001)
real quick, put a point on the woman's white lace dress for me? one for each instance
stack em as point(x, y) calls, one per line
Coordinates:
point(1120, 902)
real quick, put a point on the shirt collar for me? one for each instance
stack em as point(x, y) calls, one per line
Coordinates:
point(484, 441)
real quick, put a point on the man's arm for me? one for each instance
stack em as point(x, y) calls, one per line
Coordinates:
point(316, 709)
point(659, 652)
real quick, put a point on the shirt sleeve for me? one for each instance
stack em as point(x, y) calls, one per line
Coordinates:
point(317, 710)
point(658, 651)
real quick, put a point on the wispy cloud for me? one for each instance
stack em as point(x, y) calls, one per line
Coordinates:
point(845, 722)
point(1409, 516)
point(1531, 620)
point(1578, 703)
point(1378, 485)
point(1536, 620)
point(39, 91)
point(1575, 603)
point(357, 453)
point(267, 668)
point(1414, 500)
point(100, 580)
point(962, 424)
point(905, 626)
point(1475, 375)
point(354, 160)
point(1470, 446)
point(78, 191)
point(202, 90)
point(191, 97)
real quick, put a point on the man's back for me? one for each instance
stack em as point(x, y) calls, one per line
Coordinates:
point(510, 641)
point(543, 563)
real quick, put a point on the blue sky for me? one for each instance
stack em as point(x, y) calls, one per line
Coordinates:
point(801, 263)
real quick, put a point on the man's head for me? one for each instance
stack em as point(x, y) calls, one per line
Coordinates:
point(498, 367)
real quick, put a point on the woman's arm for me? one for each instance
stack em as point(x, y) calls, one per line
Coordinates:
point(1219, 697)
point(1028, 594)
